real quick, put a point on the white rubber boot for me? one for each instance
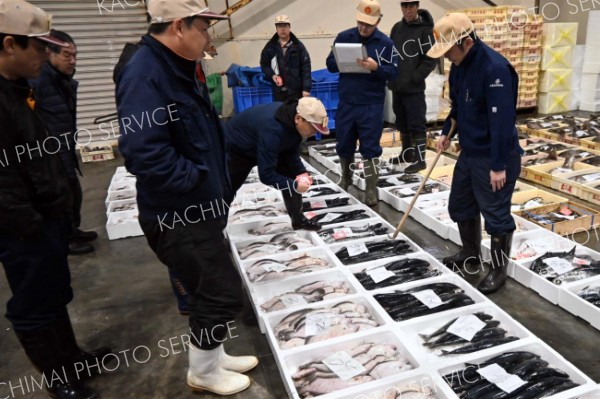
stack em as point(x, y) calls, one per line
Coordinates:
point(239, 364)
point(206, 374)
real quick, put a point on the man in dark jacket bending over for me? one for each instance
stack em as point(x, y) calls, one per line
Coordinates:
point(269, 136)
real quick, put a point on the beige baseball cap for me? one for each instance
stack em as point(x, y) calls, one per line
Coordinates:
point(448, 31)
point(282, 19)
point(408, 1)
point(369, 12)
point(18, 17)
point(170, 10)
point(313, 110)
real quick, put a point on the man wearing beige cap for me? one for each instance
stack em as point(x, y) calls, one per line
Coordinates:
point(34, 210)
point(483, 90)
point(182, 179)
point(362, 95)
point(269, 135)
point(286, 63)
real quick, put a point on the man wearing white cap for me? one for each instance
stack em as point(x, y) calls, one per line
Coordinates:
point(269, 135)
point(34, 210)
point(182, 181)
point(286, 63)
point(483, 90)
point(362, 95)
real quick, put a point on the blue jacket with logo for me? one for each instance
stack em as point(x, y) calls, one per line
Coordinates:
point(483, 91)
point(367, 88)
point(171, 139)
point(268, 134)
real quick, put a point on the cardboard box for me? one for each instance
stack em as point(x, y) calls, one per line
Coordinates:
point(586, 220)
point(547, 198)
point(96, 152)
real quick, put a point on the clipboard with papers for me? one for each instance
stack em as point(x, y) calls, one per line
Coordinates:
point(346, 55)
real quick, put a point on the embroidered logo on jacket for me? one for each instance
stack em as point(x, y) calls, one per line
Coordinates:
point(498, 83)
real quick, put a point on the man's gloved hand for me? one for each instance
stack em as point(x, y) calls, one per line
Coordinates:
point(303, 182)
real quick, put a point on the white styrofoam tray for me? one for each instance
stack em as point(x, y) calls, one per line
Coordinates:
point(289, 363)
point(250, 199)
point(357, 223)
point(312, 194)
point(123, 224)
point(382, 388)
point(579, 307)
point(437, 221)
point(123, 178)
point(382, 262)
point(334, 211)
point(532, 345)
point(245, 215)
point(122, 186)
point(320, 201)
point(468, 289)
point(120, 195)
point(242, 231)
point(337, 247)
point(240, 245)
point(120, 170)
point(419, 209)
point(393, 179)
point(273, 319)
point(411, 328)
point(114, 205)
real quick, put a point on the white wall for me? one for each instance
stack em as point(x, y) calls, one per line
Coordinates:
point(315, 22)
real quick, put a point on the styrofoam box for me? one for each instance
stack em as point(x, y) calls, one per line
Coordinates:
point(590, 80)
point(248, 199)
point(379, 389)
point(367, 211)
point(289, 363)
point(560, 34)
point(123, 224)
point(120, 195)
point(337, 247)
point(235, 216)
point(311, 193)
point(584, 392)
point(395, 202)
point(468, 289)
point(329, 163)
point(382, 262)
point(557, 57)
point(113, 205)
point(436, 221)
point(240, 245)
point(123, 178)
point(241, 231)
point(273, 319)
point(120, 169)
point(418, 212)
point(536, 346)
point(397, 183)
point(121, 186)
point(579, 307)
point(555, 80)
point(313, 152)
point(556, 102)
point(265, 292)
point(357, 223)
point(411, 329)
point(321, 201)
point(388, 195)
point(589, 106)
point(591, 68)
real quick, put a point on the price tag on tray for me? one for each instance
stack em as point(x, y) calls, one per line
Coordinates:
point(290, 300)
point(317, 323)
point(357, 249)
point(498, 376)
point(343, 365)
point(330, 217)
point(466, 327)
point(379, 274)
point(341, 233)
point(559, 265)
point(318, 204)
point(429, 298)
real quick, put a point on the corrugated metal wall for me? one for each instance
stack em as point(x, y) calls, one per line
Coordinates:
point(100, 30)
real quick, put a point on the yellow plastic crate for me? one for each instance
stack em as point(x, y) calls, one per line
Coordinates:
point(555, 80)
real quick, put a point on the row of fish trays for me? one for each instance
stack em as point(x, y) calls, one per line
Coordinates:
point(432, 138)
point(121, 206)
point(548, 174)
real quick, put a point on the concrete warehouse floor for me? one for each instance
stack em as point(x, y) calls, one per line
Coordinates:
point(123, 299)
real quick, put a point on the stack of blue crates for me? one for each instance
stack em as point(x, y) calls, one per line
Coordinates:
point(327, 92)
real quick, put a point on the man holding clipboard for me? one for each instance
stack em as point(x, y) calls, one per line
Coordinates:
point(366, 59)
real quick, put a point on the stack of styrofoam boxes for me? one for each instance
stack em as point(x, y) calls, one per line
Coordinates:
point(576, 77)
point(557, 62)
point(590, 95)
point(121, 206)
point(529, 68)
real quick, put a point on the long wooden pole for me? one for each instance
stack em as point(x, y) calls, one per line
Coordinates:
point(412, 203)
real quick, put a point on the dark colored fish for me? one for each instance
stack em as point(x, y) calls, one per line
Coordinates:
point(331, 203)
point(480, 345)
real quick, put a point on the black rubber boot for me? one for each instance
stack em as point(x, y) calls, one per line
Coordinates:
point(496, 278)
point(346, 178)
point(46, 354)
point(371, 177)
point(408, 151)
point(470, 253)
point(79, 247)
point(293, 205)
point(418, 163)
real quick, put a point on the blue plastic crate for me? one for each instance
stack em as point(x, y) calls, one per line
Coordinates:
point(328, 93)
point(246, 97)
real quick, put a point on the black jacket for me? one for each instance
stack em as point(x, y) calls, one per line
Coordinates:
point(56, 101)
point(294, 67)
point(33, 182)
point(413, 40)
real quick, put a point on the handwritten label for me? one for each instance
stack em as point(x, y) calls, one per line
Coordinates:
point(379, 274)
point(429, 298)
point(290, 300)
point(274, 267)
point(329, 217)
point(343, 365)
point(466, 327)
point(541, 245)
point(310, 215)
point(498, 376)
point(559, 265)
point(341, 233)
point(546, 125)
point(318, 204)
point(357, 249)
point(317, 323)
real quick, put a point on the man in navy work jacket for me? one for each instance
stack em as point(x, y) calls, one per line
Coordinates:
point(362, 95)
point(286, 63)
point(56, 99)
point(483, 90)
point(269, 136)
point(34, 211)
point(178, 156)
